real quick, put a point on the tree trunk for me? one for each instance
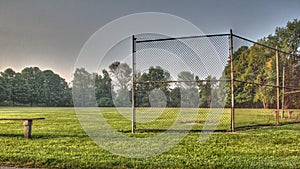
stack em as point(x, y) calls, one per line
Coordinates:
point(266, 105)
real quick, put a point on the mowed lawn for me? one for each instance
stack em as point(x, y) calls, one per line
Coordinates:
point(60, 142)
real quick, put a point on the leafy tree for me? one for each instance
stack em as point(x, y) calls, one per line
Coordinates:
point(34, 87)
point(22, 90)
point(154, 79)
point(3, 89)
point(122, 99)
point(187, 77)
point(175, 97)
point(31, 81)
point(207, 92)
point(255, 59)
point(189, 92)
point(240, 62)
point(83, 88)
point(291, 35)
point(55, 90)
point(9, 78)
point(121, 75)
point(264, 93)
point(250, 67)
point(287, 39)
point(142, 91)
point(104, 91)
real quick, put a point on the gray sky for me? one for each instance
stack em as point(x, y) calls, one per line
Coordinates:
point(50, 33)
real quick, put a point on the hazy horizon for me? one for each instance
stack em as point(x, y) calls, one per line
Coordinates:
point(50, 34)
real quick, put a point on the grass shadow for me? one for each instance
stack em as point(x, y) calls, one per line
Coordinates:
point(45, 136)
point(258, 126)
point(190, 131)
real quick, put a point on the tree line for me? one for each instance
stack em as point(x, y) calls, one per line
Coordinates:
point(34, 87)
point(255, 80)
point(113, 88)
point(255, 69)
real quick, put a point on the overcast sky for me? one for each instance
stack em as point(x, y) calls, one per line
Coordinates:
point(50, 33)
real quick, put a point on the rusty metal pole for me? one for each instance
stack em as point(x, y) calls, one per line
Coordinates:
point(277, 84)
point(133, 125)
point(231, 79)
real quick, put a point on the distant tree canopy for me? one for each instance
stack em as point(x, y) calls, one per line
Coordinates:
point(150, 81)
point(34, 87)
point(254, 67)
point(92, 89)
point(257, 64)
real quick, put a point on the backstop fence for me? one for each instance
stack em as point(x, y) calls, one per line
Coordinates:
point(211, 82)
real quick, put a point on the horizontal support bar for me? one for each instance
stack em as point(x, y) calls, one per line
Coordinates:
point(182, 81)
point(181, 38)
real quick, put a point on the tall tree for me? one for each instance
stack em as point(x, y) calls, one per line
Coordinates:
point(3, 89)
point(189, 92)
point(121, 75)
point(153, 79)
point(207, 91)
point(83, 88)
point(187, 78)
point(22, 89)
point(256, 58)
point(9, 78)
point(288, 39)
point(55, 91)
point(175, 97)
point(32, 82)
point(104, 89)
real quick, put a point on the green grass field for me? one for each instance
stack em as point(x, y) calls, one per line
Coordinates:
point(60, 142)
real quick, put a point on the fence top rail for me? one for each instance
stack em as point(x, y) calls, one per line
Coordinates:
point(181, 81)
point(269, 85)
point(179, 38)
point(266, 46)
point(214, 35)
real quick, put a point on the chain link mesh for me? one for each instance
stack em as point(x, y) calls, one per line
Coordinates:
point(256, 85)
point(186, 81)
point(181, 79)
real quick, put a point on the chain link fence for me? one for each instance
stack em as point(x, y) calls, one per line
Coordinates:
point(181, 81)
point(265, 84)
point(212, 82)
point(187, 81)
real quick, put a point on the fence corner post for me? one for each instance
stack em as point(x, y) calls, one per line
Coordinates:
point(231, 79)
point(133, 124)
point(277, 87)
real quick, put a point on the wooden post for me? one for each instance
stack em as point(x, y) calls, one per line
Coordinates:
point(133, 125)
point(27, 128)
point(231, 79)
point(277, 86)
point(290, 114)
point(283, 85)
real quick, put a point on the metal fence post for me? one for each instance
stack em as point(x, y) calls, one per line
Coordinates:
point(283, 86)
point(231, 79)
point(277, 91)
point(133, 125)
